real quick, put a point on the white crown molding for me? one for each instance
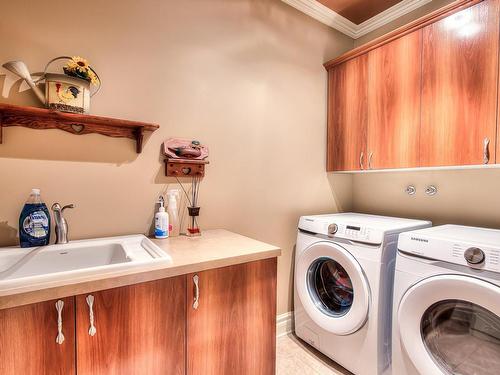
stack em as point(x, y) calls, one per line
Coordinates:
point(324, 15)
point(327, 16)
point(388, 15)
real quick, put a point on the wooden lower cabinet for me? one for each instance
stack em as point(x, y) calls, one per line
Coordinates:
point(232, 328)
point(140, 329)
point(151, 328)
point(28, 339)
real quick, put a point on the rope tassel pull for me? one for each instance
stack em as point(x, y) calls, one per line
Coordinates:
point(90, 302)
point(60, 335)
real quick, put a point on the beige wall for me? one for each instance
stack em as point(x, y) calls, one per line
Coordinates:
point(466, 197)
point(245, 77)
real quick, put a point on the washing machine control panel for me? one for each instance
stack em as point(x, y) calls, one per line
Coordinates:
point(476, 256)
point(369, 229)
point(341, 229)
point(355, 233)
point(480, 255)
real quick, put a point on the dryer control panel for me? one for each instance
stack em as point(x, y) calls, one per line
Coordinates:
point(474, 247)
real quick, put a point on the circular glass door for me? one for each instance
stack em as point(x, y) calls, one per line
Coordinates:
point(450, 324)
point(331, 287)
point(462, 337)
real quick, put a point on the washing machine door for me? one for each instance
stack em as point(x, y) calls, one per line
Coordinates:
point(450, 324)
point(332, 288)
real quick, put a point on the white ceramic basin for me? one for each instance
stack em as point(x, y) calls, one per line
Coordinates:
point(77, 259)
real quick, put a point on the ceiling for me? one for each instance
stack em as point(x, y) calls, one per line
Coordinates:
point(358, 11)
point(356, 17)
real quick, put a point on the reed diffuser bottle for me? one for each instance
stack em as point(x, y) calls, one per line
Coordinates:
point(194, 210)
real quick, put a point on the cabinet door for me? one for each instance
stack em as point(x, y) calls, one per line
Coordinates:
point(139, 329)
point(347, 115)
point(232, 327)
point(459, 87)
point(394, 72)
point(28, 339)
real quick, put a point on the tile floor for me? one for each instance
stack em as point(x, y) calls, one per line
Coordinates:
point(293, 356)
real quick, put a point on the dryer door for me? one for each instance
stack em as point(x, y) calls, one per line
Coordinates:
point(332, 288)
point(450, 324)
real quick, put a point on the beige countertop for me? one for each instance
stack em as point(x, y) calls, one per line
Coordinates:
point(214, 249)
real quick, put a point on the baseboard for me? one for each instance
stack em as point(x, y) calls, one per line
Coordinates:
point(284, 324)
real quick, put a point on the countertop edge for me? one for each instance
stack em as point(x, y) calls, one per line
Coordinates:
point(72, 289)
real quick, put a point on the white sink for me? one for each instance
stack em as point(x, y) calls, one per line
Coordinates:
point(76, 259)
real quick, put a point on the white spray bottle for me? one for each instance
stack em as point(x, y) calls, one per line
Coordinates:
point(173, 212)
point(161, 220)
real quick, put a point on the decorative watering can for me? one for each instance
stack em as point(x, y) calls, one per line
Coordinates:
point(62, 92)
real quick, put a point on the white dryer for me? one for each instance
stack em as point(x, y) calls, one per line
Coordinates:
point(344, 268)
point(447, 302)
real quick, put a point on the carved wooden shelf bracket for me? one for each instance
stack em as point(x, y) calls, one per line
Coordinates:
point(185, 167)
point(41, 118)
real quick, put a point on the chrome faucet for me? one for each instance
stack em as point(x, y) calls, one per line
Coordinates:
point(61, 223)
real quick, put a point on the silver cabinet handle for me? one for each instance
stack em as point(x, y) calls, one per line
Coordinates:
point(370, 157)
point(90, 302)
point(59, 308)
point(361, 156)
point(486, 151)
point(196, 300)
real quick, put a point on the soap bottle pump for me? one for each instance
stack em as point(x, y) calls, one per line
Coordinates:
point(173, 212)
point(161, 220)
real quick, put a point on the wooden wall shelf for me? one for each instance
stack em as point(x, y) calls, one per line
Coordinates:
point(41, 118)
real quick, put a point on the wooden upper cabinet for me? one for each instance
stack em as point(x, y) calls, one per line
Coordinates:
point(459, 87)
point(394, 103)
point(140, 329)
point(28, 339)
point(232, 327)
point(347, 115)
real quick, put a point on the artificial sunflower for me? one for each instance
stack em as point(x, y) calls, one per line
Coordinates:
point(79, 67)
point(93, 77)
point(79, 63)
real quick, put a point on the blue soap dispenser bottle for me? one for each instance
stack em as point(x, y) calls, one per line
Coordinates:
point(34, 222)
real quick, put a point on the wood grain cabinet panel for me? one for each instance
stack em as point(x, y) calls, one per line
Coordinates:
point(233, 328)
point(347, 115)
point(394, 103)
point(140, 329)
point(28, 339)
point(497, 145)
point(459, 87)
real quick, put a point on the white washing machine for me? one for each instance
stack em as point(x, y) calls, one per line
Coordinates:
point(447, 302)
point(344, 267)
